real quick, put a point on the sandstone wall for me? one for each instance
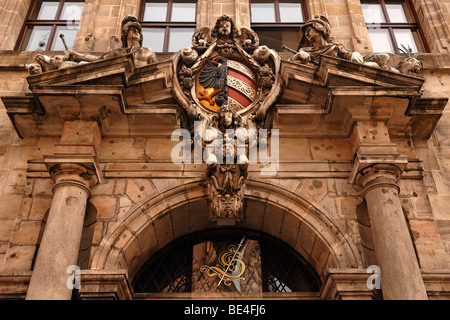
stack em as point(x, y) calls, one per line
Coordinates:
point(136, 168)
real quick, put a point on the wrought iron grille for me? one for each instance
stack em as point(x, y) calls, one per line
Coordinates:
point(170, 270)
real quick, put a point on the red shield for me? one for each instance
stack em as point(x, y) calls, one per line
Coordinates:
point(242, 89)
point(241, 85)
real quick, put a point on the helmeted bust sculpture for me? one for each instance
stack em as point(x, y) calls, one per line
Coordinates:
point(132, 39)
point(318, 32)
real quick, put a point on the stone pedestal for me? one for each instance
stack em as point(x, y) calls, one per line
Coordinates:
point(61, 239)
point(401, 278)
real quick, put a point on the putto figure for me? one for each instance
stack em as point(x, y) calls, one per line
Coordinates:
point(318, 32)
point(226, 181)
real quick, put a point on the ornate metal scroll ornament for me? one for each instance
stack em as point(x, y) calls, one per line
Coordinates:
point(230, 266)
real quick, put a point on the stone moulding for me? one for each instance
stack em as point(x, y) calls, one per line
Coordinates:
point(340, 284)
point(117, 169)
point(148, 217)
point(120, 90)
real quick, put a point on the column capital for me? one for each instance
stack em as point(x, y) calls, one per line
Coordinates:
point(82, 171)
point(379, 175)
point(364, 163)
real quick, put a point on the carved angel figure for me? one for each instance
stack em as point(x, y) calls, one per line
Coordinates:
point(226, 41)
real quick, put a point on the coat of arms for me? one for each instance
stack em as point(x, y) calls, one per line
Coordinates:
point(226, 81)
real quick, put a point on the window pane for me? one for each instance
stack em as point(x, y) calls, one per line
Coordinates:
point(380, 40)
point(398, 12)
point(37, 38)
point(183, 11)
point(154, 38)
point(155, 11)
point(263, 11)
point(407, 38)
point(275, 39)
point(180, 38)
point(72, 10)
point(291, 11)
point(372, 12)
point(45, 10)
point(69, 35)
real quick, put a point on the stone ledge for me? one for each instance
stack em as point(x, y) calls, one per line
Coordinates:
point(343, 284)
point(340, 284)
point(13, 285)
point(104, 285)
point(166, 169)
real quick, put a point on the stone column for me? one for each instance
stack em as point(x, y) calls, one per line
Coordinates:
point(61, 239)
point(401, 278)
point(74, 170)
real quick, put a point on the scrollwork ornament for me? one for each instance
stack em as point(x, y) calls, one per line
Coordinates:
point(230, 266)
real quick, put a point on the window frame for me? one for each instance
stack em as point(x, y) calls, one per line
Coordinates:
point(390, 26)
point(167, 24)
point(179, 254)
point(54, 24)
point(278, 25)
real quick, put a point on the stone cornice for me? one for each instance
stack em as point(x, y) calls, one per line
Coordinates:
point(317, 98)
point(81, 170)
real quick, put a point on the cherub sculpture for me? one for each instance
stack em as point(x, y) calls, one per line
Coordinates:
point(226, 41)
point(226, 180)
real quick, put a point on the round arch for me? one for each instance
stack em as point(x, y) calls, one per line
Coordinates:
point(150, 225)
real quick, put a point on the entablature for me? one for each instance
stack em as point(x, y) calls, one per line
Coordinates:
point(315, 101)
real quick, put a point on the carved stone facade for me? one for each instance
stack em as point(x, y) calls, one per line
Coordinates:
point(351, 165)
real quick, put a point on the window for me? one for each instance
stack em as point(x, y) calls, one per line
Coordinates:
point(46, 21)
point(391, 25)
point(277, 22)
point(168, 26)
point(190, 264)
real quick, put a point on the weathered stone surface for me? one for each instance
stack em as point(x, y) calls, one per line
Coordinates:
point(330, 117)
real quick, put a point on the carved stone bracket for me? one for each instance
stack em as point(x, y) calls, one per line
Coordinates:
point(226, 186)
point(226, 178)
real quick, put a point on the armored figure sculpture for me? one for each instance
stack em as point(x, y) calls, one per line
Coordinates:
point(132, 39)
point(318, 32)
point(131, 36)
